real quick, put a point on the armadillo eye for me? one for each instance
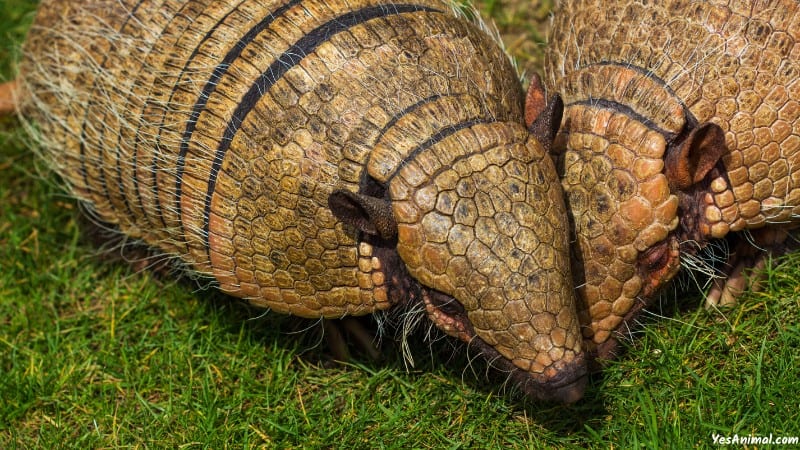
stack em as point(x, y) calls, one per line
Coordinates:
point(655, 257)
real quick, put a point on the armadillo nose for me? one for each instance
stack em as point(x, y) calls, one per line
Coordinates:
point(570, 393)
point(567, 385)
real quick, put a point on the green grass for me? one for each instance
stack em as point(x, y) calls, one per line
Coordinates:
point(93, 356)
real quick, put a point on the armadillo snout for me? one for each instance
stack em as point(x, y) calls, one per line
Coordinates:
point(623, 214)
point(486, 230)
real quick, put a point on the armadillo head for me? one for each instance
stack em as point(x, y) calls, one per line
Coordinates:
point(479, 221)
point(635, 193)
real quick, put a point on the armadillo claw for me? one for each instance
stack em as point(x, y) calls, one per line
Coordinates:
point(746, 265)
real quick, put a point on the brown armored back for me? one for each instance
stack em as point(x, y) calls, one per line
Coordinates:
point(733, 63)
point(173, 103)
point(681, 125)
point(320, 158)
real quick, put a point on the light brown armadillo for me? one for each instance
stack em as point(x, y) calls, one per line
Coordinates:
point(319, 158)
point(681, 127)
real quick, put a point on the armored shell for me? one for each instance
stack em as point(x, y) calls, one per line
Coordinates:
point(681, 126)
point(318, 158)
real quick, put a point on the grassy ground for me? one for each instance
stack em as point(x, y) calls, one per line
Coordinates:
point(92, 356)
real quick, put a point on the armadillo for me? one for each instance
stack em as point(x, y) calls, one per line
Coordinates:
point(319, 158)
point(680, 130)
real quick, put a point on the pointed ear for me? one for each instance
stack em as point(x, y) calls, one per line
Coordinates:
point(543, 118)
point(370, 215)
point(535, 99)
point(545, 127)
point(690, 162)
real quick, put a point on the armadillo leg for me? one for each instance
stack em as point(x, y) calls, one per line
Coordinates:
point(335, 340)
point(726, 291)
point(747, 263)
point(338, 330)
point(363, 338)
point(7, 97)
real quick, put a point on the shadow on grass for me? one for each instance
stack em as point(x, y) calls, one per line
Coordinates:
point(432, 351)
point(444, 359)
point(441, 354)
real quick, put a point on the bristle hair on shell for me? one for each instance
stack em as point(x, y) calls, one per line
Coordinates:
point(112, 245)
point(35, 111)
point(704, 260)
point(405, 321)
point(469, 11)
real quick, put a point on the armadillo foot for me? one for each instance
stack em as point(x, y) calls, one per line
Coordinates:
point(338, 330)
point(7, 97)
point(747, 263)
point(747, 274)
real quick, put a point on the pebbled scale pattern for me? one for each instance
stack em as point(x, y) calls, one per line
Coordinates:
point(217, 130)
point(635, 74)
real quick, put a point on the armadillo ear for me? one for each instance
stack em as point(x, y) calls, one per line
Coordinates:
point(535, 99)
point(542, 117)
point(370, 215)
point(545, 127)
point(691, 161)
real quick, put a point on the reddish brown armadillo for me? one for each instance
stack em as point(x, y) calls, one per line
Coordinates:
point(319, 158)
point(681, 126)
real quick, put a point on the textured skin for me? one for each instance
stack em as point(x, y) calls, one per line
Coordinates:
point(638, 77)
point(223, 132)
